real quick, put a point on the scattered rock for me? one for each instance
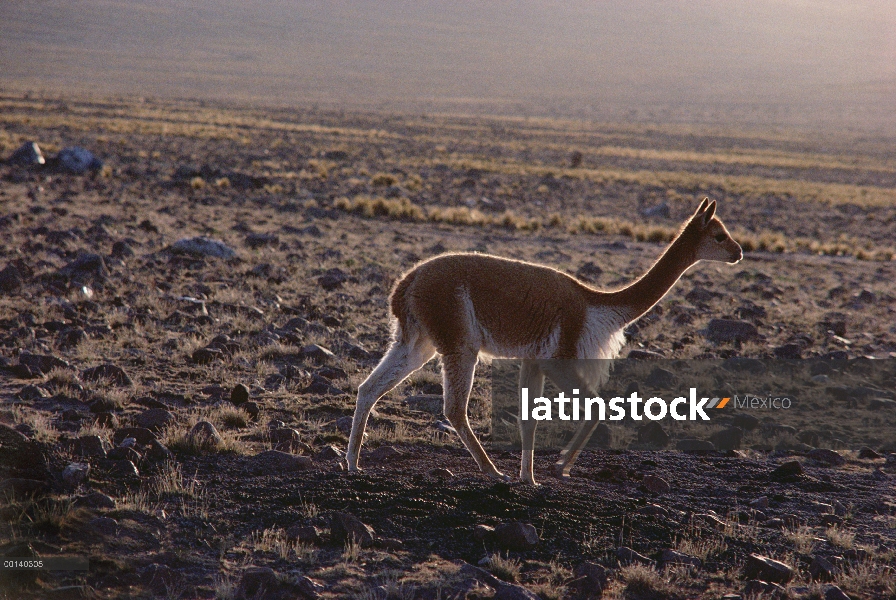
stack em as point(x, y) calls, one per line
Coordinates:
point(833, 592)
point(589, 272)
point(204, 356)
point(788, 351)
point(10, 279)
point(590, 579)
point(763, 589)
point(710, 520)
point(31, 392)
point(660, 379)
point(332, 279)
point(239, 394)
point(122, 249)
point(866, 453)
point(516, 536)
point(695, 446)
point(317, 353)
point(826, 456)
point(329, 453)
point(627, 556)
point(90, 446)
point(309, 588)
point(730, 330)
point(85, 265)
point(822, 569)
point(672, 557)
point(727, 439)
point(156, 450)
point(78, 160)
point(788, 471)
point(258, 583)
point(252, 409)
point(124, 469)
point(344, 527)
point(103, 525)
point(42, 364)
point(745, 421)
point(154, 419)
point(20, 488)
point(385, 454)
point(767, 569)
point(701, 295)
point(95, 500)
point(344, 424)
point(203, 246)
point(653, 510)
point(655, 485)
point(204, 436)
point(653, 435)
point(275, 461)
point(75, 474)
point(71, 337)
point(141, 434)
point(108, 372)
point(303, 534)
point(881, 403)
point(761, 503)
point(258, 240)
point(27, 154)
point(441, 473)
point(20, 456)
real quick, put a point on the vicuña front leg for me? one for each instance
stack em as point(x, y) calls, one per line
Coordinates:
point(531, 377)
point(458, 381)
point(400, 361)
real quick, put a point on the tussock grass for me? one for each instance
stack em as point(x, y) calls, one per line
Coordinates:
point(644, 581)
point(802, 538)
point(841, 538)
point(274, 540)
point(402, 209)
point(504, 568)
point(177, 437)
point(41, 424)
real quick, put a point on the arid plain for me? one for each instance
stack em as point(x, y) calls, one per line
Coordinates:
point(110, 332)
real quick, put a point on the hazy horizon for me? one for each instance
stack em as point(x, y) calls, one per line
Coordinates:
point(820, 64)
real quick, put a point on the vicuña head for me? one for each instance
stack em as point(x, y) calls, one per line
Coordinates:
point(461, 305)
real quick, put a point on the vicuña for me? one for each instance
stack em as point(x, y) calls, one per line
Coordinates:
point(462, 305)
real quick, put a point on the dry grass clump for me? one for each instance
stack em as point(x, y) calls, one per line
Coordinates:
point(504, 568)
point(642, 581)
point(404, 210)
point(274, 540)
point(41, 424)
point(177, 438)
point(841, 538)
point(394, 208)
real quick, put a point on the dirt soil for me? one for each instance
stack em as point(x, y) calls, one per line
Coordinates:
point(322, 212)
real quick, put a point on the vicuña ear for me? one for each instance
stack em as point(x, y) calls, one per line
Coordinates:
point(702, 206)
point(708, 214)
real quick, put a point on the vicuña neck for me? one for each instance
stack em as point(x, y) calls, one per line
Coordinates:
point(639, 297)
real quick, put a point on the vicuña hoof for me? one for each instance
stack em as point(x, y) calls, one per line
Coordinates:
point(560, 472)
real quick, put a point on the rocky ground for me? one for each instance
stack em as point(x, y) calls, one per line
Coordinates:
point(177, 410)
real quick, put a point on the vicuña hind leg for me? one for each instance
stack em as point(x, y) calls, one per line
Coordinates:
point(458, 381)
point(401, 360)
point(531, 377)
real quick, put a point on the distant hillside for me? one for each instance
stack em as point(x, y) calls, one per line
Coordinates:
point(819, 63)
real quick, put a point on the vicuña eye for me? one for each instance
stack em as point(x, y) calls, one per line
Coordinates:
point(721, 237)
